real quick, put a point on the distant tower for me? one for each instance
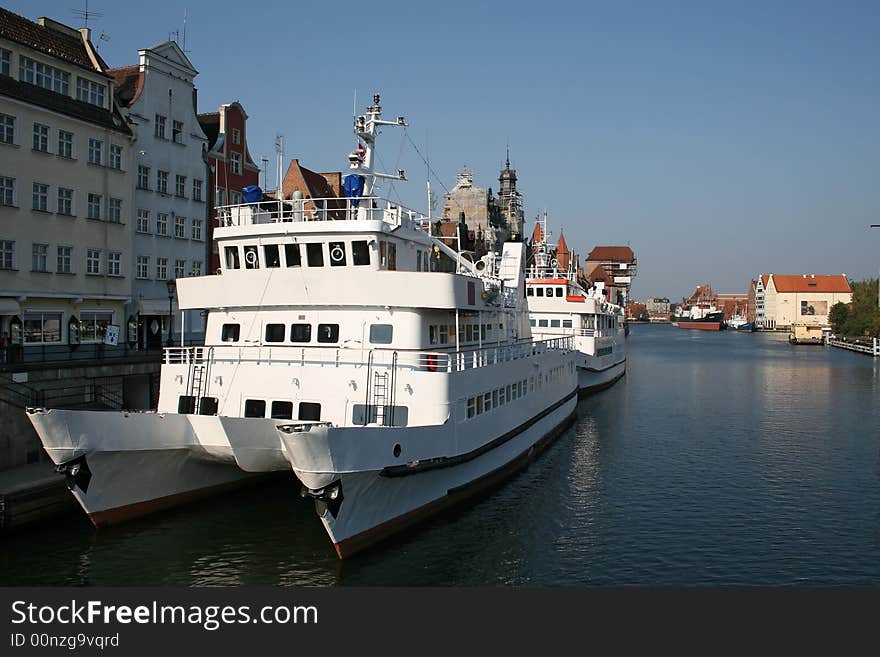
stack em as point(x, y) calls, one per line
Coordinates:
point(510, 199)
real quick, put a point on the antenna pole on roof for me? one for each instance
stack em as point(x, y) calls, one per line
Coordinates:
point(184, 30)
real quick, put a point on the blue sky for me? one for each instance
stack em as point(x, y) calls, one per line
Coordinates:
point(719, 139)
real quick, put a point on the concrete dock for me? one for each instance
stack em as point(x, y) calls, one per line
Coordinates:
point(33, 492)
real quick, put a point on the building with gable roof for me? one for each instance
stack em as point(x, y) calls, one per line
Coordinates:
point(65, 192)
point(802, 298)
point(170, 214)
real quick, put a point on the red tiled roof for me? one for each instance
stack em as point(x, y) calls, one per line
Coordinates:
point(811, 283)
point(537, 234)
point(129, 83)
point(561, 246)
point(764, 280)
point(611, 254)
point(44, 39)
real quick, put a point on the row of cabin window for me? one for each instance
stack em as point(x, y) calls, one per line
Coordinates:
point(505, 394)
point(302, 333)
point(533, 291)
point(283, 410)
point(604, 351)
point(552, 323)
point(445, 333)
point(338, 253)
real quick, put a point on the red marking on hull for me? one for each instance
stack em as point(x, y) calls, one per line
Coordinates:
point(702, 326)
point(575, 297)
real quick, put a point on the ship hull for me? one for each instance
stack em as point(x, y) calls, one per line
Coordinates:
point(592, 380)
point(700, 326)
point(122, 465)
point(373, 505)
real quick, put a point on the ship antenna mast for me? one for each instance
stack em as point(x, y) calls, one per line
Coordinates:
point(366, 127)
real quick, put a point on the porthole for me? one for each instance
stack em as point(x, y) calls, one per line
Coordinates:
point(397, 450)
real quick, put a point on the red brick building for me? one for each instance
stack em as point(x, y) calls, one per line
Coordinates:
point(230, 166)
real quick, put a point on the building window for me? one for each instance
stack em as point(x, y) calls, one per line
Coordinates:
point(7, 254)
point(114, 263)
point(93, 261)
point(42, 327)
point(64, 259)
point(197, 190)
point(197, 229)
point(7, 129)
point(160, 126)
point(180, 186)
point(90, 92)
point(65, 144)
point(65, 201)
point(115, 156)
point(220, 197)
point(180, 227)
point(235, 197)
point(41, 197)
point(7, 191)
point(143, 267)
point(41, 137)
point(93, 325)
point(40, 257)
point(114, 210)
point(197, 268)
point(161, 224)
point(44, 76)
point(143, 177)
point(236, 136)
point(5, 62)
point(161, 269)
point(179, 268)
point(143, 221)
point(162, 182)
point(96, 151)
point(94, 209)
point(177, 131)
point(235, 159)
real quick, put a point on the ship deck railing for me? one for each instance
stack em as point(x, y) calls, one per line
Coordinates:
point(581, 332)
point(465, 358)
point(346, 208)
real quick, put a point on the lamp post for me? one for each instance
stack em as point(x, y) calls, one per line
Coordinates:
point(171, 284)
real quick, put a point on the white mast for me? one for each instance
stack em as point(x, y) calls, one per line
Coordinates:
point(366, 127)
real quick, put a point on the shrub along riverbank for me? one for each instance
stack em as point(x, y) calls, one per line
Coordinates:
point(862, 316)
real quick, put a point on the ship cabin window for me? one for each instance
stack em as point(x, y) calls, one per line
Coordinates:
point(186, 404)
point(360, 253)
point(251, 258)
point(274, 332)
point(300, 332)
point(542, 323)
point(208, 406)
point(560, 291)
point(282, 410)
point(270, 253)
point(483, 328)
point(328, 332)
point(381, 333)
point(387, 255)
point(444, 334)
point(255, 408)
point(554, 323)
point(232, 261)
point(230, 332)
point(292, 256)
point(315, 255)
point(530, 291)
point(309, 411)
point(337, 254)
point(566, 323)
point(539, 291)
point(532, 322)
point(432, 334)
point(393, 416)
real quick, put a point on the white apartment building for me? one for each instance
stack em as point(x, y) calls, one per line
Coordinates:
point(65, 191)
point(170, 188)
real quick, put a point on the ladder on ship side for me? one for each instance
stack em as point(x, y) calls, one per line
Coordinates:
point(381, 393)
point(198, 379)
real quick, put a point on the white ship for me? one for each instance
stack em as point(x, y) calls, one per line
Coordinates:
point(337, 348)
point(559, 305)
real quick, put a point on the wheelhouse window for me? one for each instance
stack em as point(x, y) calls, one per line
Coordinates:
point(251, 258)
point(232, 261)
point(560, 291)
point(292, 255)
point(315, 255)
point(300, 332)
point(274, 332)
point(554, 323)
point(542, 323)
point(539, 291)
point(381, 333)
point(309, 411)
point(255, 408)
point(566, 323)
point(530, 291)
point(270, 253)
point(337, 254)
point(282, 410)
point(230, 332)
point(328, 332)
point(360, 253)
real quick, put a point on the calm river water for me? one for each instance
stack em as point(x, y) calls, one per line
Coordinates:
point(722, 458)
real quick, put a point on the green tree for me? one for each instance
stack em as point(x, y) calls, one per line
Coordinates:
point(864, 315)
point(838, 317)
